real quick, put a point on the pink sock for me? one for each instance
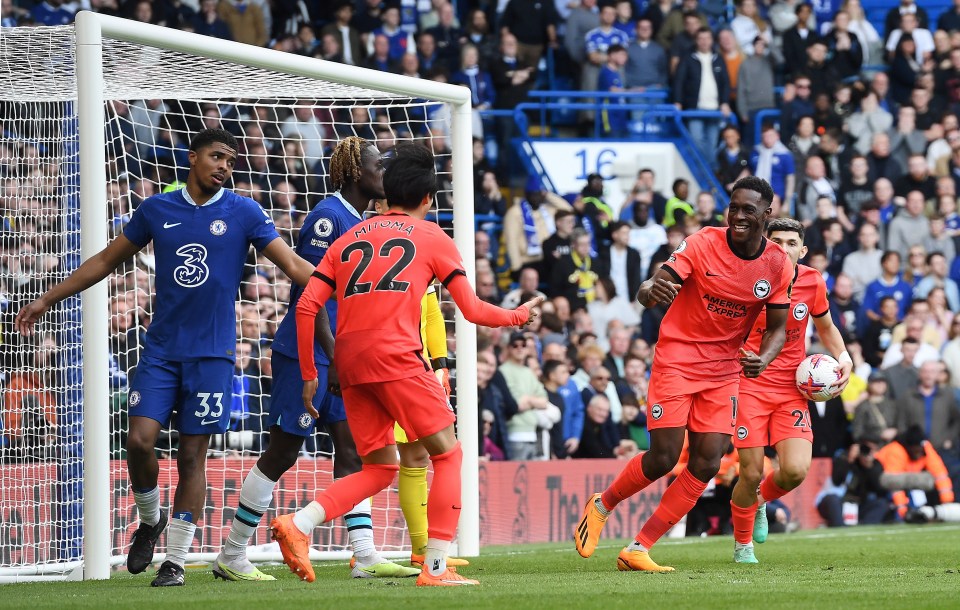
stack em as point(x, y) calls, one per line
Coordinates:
point(677, 501)
point(630, 481)
point(743, 519)
point(770, 490)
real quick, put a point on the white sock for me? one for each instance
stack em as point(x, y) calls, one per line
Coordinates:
point(360, 530)
point(256, 493)
point(949, 512)
point(179, 538)
point(148, 505)
point(636, 546)
point(309, 517)
point(739, 545)
point(436, 560)
point(601, 508)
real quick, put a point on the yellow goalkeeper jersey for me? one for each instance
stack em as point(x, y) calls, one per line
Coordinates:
point(433, 331)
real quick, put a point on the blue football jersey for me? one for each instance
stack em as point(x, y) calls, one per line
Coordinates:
point(598, 40)
point(200, 253)
point(330, 219)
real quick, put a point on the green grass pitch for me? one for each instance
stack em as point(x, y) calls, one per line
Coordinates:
point(890, 567)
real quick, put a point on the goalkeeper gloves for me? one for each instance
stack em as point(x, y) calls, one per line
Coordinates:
point(442, 372)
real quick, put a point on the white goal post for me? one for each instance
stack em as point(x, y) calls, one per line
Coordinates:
point(342, 83)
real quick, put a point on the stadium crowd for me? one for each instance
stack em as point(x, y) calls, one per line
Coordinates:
point(865, 153)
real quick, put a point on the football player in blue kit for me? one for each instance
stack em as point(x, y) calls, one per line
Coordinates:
point(356, 173)
point(201, 237)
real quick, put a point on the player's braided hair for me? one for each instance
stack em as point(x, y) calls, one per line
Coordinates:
point(345, 161)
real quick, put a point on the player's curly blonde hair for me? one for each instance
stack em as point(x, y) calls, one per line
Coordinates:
point(345, 163)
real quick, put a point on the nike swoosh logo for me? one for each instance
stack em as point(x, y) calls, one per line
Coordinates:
point(204, 422)
point(170, 225)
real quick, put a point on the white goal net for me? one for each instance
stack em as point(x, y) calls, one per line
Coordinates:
point(154, 101)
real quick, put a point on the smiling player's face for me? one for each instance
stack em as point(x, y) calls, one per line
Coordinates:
point(212, 166)
point(746, 216)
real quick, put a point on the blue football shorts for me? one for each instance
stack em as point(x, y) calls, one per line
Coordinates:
point(199, 392)
point(286, 399)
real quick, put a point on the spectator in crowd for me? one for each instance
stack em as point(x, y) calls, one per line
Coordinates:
point(51, 12)
point(527, 224)
point(863, 266)
point(910, 226)
point(447, 36)
point(911, 27)
point(574, 275)
point(208, 22)
point(876, 415)
point(677, 22)
point(573, 408)
point(913, 453)
point(773, 162)
point(877, 336)
point(798, 37)
point(894, 17)
point(883, 167)
point(733, 161)
point(903, 376)
point(534, 24)
point(618, 348)
point(558, 245)
point(528, 285)
point(914, 327)
point(622, 264)
point(647, 65)
point(855, 192)
point(905, 70)
point(938, 278)
point(600, 437)
point(748, 25)
point(831, 429)
point(347, 37)
point(933, 409)
point(843, 47)
point(29, 401)
point(493, 442)
point(870, 40)
point(701, 83)
point(854, 494)
point(555, 375)
point(596, 44)
point(611, 79)
point(732, 57)
point(582, 19)
point(645, 189)
point(812, 187)
point(513, 78)
point(530, 397)
point(907, 142)
point(939, 240)
point(245, 20)
point(870, 119)
point(845, 307)
point(400, 40)
point(754, 85)
point(677, 209)
point(633, 427)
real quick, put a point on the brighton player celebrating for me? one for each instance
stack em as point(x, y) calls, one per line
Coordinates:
point(771, 410)
point(380, 271)
point(716, 282)
point(201, 236)
point(356, 172)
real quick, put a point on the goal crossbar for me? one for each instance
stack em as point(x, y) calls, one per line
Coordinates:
point(91, 29)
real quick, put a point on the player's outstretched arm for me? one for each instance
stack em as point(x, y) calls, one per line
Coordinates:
point(93, 270)
point(283, 256)
point(832, 340)
point(658, 289)
point(485, 314)
point(770, 346)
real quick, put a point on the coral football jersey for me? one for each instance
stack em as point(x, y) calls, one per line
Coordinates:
point(721, 295)
point(808, 297)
